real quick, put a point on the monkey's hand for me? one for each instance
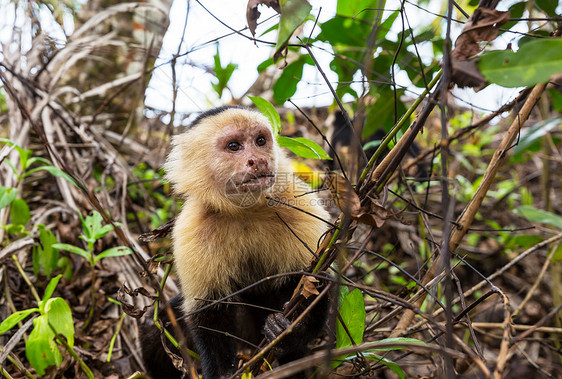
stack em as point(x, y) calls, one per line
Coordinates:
point(277, 323)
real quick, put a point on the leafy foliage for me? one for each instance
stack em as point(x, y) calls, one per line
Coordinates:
point(54, 320)
point(534, 62)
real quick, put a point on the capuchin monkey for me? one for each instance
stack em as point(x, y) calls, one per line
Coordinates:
point(234, 230)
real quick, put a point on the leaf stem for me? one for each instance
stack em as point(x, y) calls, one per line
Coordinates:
point(26, 279)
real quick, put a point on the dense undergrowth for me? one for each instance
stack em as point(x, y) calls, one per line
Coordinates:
point(447, 253)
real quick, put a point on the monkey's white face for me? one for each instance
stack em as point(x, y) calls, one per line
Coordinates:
point(246, 158)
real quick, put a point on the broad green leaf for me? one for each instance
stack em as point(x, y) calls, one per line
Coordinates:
point(358, 9)
point(53, 171)
point(60, 318)
point(534, 62)
point(51, 288)
point(103, 230)
point(117, 251)
point(19, 212)
point(516, 11)
point(14, 318)
point(548, 6)
point(293, 14)
point(73, 249)
point(556, 98)
point(7, 195)
point(65, 265)
point(286, 84)
point(352, 311)
point(387, 362)
point(303, 147)
point(40, 349)
point(45, 257)
point(265, 64)
point(93, 228)
point(538, 215)
point(269, 111)
point(534, 133)
point(94, 223)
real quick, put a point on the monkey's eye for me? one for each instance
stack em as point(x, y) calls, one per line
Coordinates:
point(233, 146)
point(260, 141)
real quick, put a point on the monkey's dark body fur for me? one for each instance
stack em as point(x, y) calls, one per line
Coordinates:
point(219, 350)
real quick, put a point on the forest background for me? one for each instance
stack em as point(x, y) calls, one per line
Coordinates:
point(442, 121)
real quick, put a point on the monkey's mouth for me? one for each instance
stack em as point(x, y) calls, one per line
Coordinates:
point(258, 179)
point(252, 183)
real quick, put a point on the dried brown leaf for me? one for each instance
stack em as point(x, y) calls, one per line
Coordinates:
point(467, 74)
point(309, 287)
point(373, 214)
point(344, 194)
point(347, 200)
point(252, 13)
point(485, 29)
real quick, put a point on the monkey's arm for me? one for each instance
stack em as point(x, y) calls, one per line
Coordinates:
point(156, 360)
point(212, 330)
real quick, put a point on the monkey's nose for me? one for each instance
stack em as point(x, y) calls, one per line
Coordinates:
point(251, 162)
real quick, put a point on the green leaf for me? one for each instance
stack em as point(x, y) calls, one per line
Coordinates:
point(538, 215)
point(269, 111)
point(7, 195)
point(293, 14)
point(60, 318)
point(352, 311)
point(358, 9)
point(556, 99)
point(19, 212)
point(24, 154)
point(14, 318)
point(265, 64)
point(516, 11)
point(303, 147)
point(93, 228)
point(53, 171)
point(286, 84)
point(387, 362)
point(534, 62)
point(548, 6)
point(73, 249)
point(33, 160)
point(524, 241)
point(51, 288)
point(45, 257)
point(117, 251)
point(65, 265)
point(223, 74)
point(40, 349)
